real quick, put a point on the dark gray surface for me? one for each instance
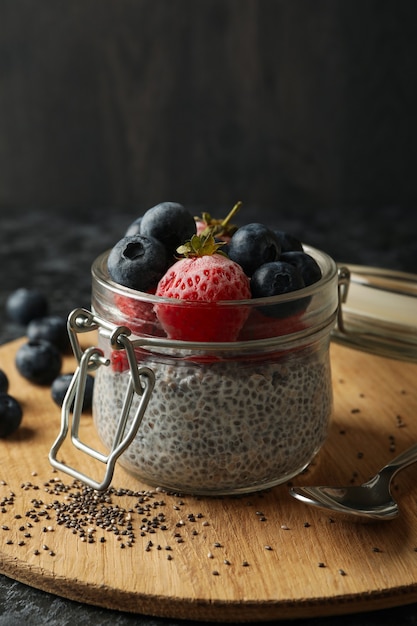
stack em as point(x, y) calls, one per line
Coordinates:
point(53, 252)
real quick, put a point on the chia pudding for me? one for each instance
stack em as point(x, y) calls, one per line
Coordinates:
point(222, 418)
point(226, 426)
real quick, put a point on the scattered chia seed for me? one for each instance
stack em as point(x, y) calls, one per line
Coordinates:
point(215, 573)
point(284, 527)
point(268, 547)
point(342, 572)
point(245, 564)
point(321, 564)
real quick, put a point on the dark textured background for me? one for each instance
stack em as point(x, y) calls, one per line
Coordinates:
point(286, 103)
point(304, 110)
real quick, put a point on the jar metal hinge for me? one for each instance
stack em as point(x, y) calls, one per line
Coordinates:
point(343, 288)
point(142, 380)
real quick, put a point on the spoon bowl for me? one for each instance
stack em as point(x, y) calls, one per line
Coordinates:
point(370, 501)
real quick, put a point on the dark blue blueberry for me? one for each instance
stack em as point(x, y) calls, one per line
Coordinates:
point(170, 223)
point(39, 362)
point(288, 242)
point(134, 228)
point(138, 262)
point(25, 305)
point(253, 245)
point(4, 382)
point(60, 387)
point(275, 279)
point(52, 328)
point(10, 415)
point(309, 268)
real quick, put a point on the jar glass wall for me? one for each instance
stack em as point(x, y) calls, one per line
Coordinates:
point(228, 417)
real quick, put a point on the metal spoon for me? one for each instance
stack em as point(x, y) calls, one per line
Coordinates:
point(371, 500)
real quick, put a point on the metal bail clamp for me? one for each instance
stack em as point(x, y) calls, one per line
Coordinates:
point(141, 383)
point(343, 275)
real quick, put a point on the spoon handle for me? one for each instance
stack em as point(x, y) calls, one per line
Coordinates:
point(401, 461)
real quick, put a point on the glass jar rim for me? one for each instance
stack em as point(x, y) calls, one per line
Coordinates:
point(327, 265)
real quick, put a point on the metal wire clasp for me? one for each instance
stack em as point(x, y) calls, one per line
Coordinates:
point(141, 383)
point(343, 289)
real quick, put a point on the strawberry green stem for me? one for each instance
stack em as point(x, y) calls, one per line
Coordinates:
point(231, 214)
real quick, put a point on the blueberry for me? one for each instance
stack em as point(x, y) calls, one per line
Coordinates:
point(288, 242)
point(10, 415)
point(138, 262)
point(4, 382)
point(24, 305)
point(275, 279)
point(253, 245)
point(134, 228)
point(170, 223)
point(52, 328)
point(60, 386)
point(38, 361)
point(309, 268)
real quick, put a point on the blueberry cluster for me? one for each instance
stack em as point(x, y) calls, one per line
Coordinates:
point(142, 256)
point(274, 260)
point(10, 409)
point(39, 360)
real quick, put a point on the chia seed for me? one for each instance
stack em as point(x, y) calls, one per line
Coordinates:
point(221, 426)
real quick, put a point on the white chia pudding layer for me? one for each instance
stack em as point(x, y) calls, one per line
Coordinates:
point(224, 426)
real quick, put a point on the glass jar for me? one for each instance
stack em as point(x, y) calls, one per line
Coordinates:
point(223, 417)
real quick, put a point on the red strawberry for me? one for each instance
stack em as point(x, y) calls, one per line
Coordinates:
point(138, 315)
point(201, 281)
point(119, 361)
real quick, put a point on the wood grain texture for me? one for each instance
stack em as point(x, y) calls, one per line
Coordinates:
point(279, 103)
point(282, 541)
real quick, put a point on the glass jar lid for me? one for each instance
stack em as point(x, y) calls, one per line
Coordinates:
point(378, 311)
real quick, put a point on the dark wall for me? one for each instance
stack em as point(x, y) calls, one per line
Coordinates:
point(276, 102)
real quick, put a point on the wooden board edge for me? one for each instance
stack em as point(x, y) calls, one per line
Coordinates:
point(203, 609)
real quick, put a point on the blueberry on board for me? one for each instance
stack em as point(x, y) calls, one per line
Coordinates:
point(253, 245)
point(309, 268)
point(4, 382)
point(38, 361)
point(10, 415)
point(60, 386)
point(288, 242)
point(170, 223)
point(275, 279)
point(52, 328)
point(24, 305)
point(134, 228)
point(138, 262)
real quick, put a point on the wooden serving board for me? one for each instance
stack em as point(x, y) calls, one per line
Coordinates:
point(258, 557)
